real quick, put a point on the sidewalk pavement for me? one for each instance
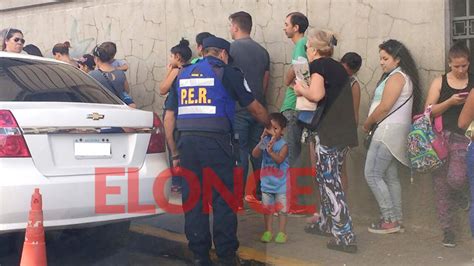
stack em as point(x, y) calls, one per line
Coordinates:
point(414, 247)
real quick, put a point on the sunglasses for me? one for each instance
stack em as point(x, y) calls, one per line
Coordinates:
point(17, 39)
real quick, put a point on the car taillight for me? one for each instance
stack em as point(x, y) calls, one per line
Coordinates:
point(12, 143)
point(157, 139)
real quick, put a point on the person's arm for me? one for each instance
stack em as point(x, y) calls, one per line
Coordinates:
point(234, 79)
point(266, 81)
point(467, 113)
point(126, 86)
point(316, 89)
point(356, 100)
point(259, 112)
point(393, 89)
point(166, 83)
point(169, 125)
point(277, 157)
point(257, 152)
point(433, 97)
point(290, 76)
point(266, 75)
point(123, 67)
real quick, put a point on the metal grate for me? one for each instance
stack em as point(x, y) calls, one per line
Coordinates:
point(462, 22)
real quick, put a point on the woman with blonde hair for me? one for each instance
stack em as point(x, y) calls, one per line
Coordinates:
point(336, 132)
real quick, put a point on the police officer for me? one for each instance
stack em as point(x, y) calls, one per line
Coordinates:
point(202, 105)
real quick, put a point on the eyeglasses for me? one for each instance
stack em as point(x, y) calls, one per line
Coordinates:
point(17, 39)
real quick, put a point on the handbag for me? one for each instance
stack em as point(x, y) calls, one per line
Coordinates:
point(370, 134)
point(311, 119)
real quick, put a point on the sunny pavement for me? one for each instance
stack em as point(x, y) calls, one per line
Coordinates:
point(414, 247)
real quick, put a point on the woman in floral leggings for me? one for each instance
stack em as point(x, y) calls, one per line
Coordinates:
point(337, 130)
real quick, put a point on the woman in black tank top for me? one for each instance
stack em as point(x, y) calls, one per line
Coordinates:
point(447, 95)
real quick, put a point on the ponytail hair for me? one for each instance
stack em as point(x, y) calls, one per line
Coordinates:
point(183, 50)
point(104, 52)
point(62, 48)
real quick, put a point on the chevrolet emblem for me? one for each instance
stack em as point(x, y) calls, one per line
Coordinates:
point(95, 116)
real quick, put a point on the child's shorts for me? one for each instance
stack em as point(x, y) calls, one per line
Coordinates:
point(274, 202)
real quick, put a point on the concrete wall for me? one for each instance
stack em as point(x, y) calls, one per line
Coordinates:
point(145, 30)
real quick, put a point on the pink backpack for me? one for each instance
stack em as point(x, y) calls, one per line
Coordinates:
point(439, 142)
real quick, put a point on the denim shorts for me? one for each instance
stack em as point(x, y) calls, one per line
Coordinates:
point(275, 202)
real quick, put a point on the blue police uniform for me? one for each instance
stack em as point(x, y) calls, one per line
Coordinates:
point(204, 98)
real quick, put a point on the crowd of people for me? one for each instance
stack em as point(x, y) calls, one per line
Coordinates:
point(218, 100)
point(100, 64)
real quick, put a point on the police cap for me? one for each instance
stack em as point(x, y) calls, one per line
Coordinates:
point(217, 42)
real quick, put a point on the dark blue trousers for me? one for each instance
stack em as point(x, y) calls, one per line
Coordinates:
point(470, 175)
point(197, 153)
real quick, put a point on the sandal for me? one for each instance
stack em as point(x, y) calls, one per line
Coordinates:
point(350, 248)
point(266, 237)
point(314, 229)
point(281, 238)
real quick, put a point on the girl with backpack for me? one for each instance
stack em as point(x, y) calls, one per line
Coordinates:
point(447, 96)
point(397, 93)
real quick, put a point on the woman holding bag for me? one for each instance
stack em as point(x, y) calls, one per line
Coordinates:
point(447, 96)
point(396, 95)
point(337, 130)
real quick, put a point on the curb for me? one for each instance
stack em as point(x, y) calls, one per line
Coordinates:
point(155, 240)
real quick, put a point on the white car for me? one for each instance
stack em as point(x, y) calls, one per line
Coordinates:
point(58, 127)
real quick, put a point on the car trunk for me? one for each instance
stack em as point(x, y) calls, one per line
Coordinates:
point(76, 139)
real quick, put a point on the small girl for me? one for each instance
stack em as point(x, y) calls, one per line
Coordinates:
point(179, 57)
point(86, 63)
point(274, 173)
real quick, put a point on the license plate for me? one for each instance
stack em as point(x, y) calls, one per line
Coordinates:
point(87, 150)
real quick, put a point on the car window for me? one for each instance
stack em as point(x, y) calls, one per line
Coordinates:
point(36, 81)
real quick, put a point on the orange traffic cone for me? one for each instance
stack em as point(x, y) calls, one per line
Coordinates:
point(34, 248)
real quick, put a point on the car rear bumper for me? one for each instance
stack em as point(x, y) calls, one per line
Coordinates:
point(71, 201)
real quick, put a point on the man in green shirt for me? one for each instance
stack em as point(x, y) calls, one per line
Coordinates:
point(295, 26)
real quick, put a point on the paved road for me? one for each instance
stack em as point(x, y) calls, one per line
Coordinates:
point(71, 251)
